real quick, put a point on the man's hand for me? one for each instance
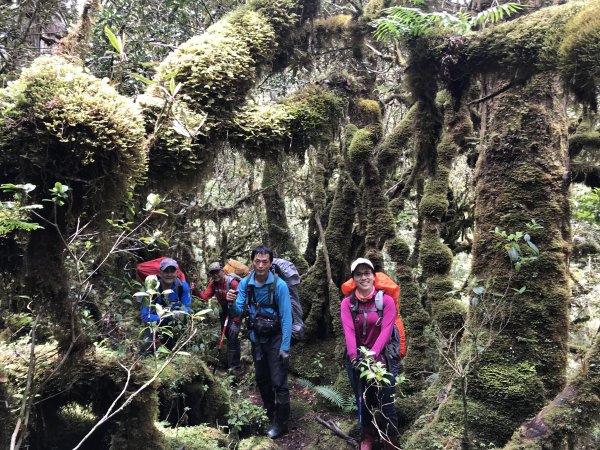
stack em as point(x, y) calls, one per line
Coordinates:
point(285, 359)
point(231, 295)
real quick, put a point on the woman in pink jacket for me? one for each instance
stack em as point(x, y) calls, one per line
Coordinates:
point(365, 326)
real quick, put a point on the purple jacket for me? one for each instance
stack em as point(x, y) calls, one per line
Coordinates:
point(376, 336)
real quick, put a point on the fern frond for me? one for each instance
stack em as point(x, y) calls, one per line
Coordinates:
point(332, 395)
point(403, 22)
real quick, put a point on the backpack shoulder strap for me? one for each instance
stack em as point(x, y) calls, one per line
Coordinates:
point(228, 281)
point(379, 305)
point(272, 288)
point(353, 305)
point(179, 288)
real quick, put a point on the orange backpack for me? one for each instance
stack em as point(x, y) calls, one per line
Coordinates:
point(386, 284)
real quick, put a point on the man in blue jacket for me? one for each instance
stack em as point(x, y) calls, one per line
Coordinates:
point(267, 299)
point(174, 295)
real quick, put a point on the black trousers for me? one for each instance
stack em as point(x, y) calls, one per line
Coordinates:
point(271, 375)
point(233, 341)
point(376, 399)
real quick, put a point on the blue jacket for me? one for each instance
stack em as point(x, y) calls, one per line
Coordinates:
point(172, 301)
point(261, 293)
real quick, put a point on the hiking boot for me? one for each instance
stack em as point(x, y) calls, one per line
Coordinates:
point(280, 422)
point(366, 443)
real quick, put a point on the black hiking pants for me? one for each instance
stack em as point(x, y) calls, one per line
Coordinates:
point(272, 378)
point(233, 341)
point(376, 400)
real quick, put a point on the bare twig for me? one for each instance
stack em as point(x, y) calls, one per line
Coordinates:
point(336, 430)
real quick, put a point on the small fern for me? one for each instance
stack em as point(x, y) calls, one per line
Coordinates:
point(14, 213)
point(346, 403)
point(403, 23)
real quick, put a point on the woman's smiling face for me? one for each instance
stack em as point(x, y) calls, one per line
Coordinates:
point(364, 277)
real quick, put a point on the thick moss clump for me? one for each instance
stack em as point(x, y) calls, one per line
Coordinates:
point(434, 205)
point(436, 258)
point(361, 147)
point(517, 385)
point(179, 146)
point(200, 437)
point(399, 250)
point(315, 361)
point(189, 383)
point(579, 52)
point(308, 116)
point(394, 143)
point(86, 134)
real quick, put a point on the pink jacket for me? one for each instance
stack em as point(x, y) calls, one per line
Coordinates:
point(376, 336)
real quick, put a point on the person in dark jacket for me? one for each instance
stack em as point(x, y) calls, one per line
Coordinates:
point(218, 286)
point(366, 327)
point(175, 297)
point(267, 301)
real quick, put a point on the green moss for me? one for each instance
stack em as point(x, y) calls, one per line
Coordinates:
point(435, 257)
point(349, 132)
point(579, 51)
point(398, 249)
point(395, 142)
point(434, 206)
point(200, 437)
point(257, 443)
point(361, 147)
point(83, 130)
point(307, 117)
point(374, 9)
point(314, 361)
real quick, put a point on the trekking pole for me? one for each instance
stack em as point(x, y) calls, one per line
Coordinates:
point(223, 332)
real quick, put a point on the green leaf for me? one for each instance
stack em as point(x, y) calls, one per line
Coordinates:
point(142, 78)
point(533, 247)
point(113, 39)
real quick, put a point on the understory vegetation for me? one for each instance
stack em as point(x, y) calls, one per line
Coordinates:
point(456, 146)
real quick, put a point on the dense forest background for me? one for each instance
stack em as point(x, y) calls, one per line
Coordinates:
point(455, 144)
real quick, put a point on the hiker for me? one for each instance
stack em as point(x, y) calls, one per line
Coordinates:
point(218, 286)
point(267, 301)
point(178, 300)
point(366, 327)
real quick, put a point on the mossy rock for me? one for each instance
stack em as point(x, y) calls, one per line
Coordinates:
point(314, 360)
point(199, 437)
point(190, 381)
point(257, 443)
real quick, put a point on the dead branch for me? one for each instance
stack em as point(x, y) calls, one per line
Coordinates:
point(336, 430)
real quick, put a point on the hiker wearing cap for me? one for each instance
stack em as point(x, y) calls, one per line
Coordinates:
point(220, 282)
point(174, 295)
point(266, 298)
point(365, 326)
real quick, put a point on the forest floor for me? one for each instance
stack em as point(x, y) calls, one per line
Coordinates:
point(305, 431)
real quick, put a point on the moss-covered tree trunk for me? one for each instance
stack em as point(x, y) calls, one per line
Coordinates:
point(522, 176)
point(279, 236)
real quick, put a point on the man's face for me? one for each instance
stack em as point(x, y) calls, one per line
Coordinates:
point(217, 275)
point(262, 264)
point(168, 275)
